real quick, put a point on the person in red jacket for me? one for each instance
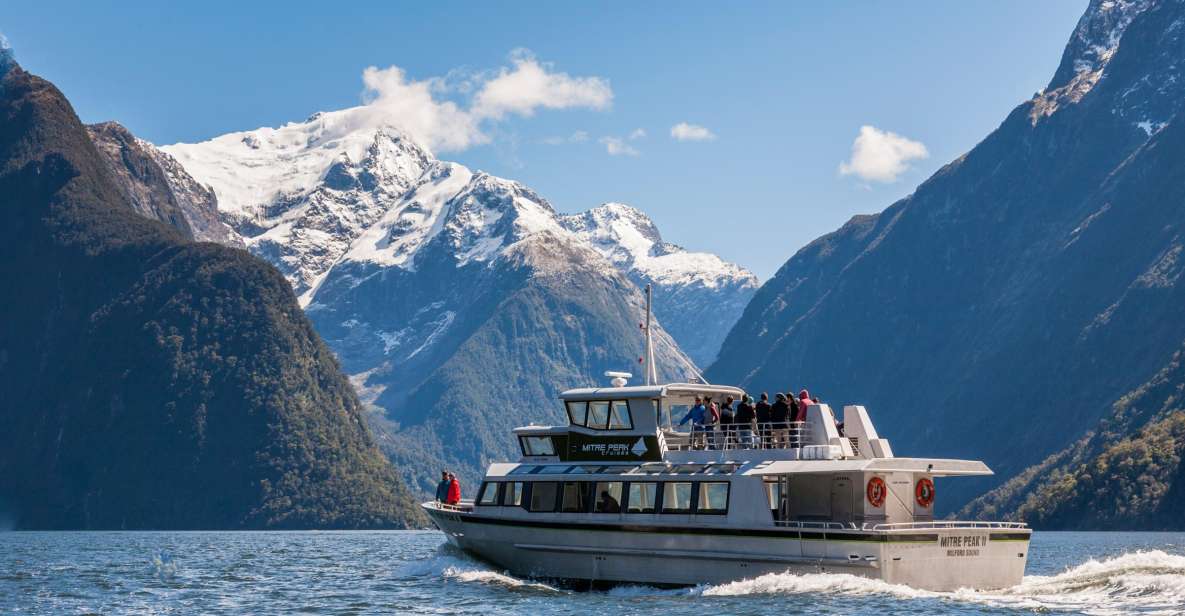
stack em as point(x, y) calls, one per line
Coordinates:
point(804, 400)
point(454, 490)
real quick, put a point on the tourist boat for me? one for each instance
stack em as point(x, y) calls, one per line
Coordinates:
point(621, 495)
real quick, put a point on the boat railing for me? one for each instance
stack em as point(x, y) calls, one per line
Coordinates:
point(878, 526)
point(461, 507)
point(732, 437)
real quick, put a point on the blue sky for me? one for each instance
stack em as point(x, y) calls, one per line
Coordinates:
point(783, 88)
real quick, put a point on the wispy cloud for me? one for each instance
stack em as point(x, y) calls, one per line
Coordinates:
point(616, 146)
point(691, 132)
point(637, 133)
point(418, 107)
point(881, 156)
point(576, 137)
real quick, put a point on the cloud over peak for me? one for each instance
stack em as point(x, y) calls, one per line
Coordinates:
point(691, 132)
point(881, 156)
point(440, 124)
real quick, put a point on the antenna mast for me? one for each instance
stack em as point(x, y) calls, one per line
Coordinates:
point(651, 371)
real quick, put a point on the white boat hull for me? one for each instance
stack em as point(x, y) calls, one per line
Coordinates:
point(565, 548)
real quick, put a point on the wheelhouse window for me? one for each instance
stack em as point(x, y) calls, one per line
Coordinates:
point(553, 469)
point(577, 412)
point(642, 497)
point(576, 497)
point(512, 494)
point(676, 497)
point(543, 495)
point(607, 497)
point(713, 498)
point(537, 446)
point(524, 469)
point(489, 494)
point(601, 414)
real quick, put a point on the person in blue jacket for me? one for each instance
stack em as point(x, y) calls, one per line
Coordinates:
point(442, 487)
point(698, 418)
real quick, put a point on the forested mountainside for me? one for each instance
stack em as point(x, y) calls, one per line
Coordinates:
point(147, 381)
point(1003, 308)
point(461, 303)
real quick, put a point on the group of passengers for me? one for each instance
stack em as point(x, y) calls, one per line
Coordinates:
point(749, 424)
point(448, 491)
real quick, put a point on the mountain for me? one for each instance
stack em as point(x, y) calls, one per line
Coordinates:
point(1001, 309)
point(149, 381)
point(461, 303)
point(701, 295)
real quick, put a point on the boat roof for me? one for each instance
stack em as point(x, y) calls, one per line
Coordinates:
point(933, 466)
point(651, 391)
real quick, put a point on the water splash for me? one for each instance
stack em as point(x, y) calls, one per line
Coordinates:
point(1150, 582)
point(163, 566)
point(450, 564)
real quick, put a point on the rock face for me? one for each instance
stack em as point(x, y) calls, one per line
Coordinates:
point(1001, 309)
point(702, 295)
point(158, 187)
point(461, 303)
point(148, 381)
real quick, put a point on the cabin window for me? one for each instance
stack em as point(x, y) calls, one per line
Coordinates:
point(619, 416)
point(512, 494)
point(713, 498)
point(538, 446)
point(543, 495)
point(642, 496)
point(553, 469)
point(676, 497)
point(598, 415)
point(585, 470)
point(576, 497)
point(577, 412)
point(607, 497)
point(489, 494)
point(523, 470)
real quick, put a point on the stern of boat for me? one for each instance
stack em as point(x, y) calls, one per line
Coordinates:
point(946, 556)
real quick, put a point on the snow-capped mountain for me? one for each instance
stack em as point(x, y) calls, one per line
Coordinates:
point(461, 302)
point(701, 295)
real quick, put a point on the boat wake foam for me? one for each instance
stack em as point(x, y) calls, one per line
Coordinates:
point(1147, 582)
point(451, 564)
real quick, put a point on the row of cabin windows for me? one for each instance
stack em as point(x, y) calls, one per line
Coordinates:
point(698, 497)
point(601, 414)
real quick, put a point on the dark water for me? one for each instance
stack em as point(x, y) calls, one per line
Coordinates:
point(404, 572)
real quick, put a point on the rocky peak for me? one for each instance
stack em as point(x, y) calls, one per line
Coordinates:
point(1095, 38)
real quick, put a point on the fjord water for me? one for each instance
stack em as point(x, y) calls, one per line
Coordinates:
point(402, 572)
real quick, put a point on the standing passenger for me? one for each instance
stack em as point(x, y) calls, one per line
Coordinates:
point(442, 487)
point(779, 415)
point(727, 417)
point(454, 490)
point(712, 420)
point(763, 420)
point(697, 415)
point(744, 421)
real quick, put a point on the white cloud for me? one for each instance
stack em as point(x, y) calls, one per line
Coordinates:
point(529, 85)
point(638, 133)
point(420, 109)
point(576, 137)
point(881, 156)
point(691, 132)
point(616, 146)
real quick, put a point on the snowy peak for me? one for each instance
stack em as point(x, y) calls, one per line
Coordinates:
point(632, 242)
point(1096, 38)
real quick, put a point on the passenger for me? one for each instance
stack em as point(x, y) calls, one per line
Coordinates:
point(697, 415)
point(779, 416)
point(745, 416)
point(442, 487)
point(762, 409)
point(454, 490)
point(727, 417)
point(608, 504)
point(713, 417)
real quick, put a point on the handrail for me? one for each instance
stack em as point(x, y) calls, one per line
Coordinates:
point(459, 507)
point(729, 437)
point(941, 524)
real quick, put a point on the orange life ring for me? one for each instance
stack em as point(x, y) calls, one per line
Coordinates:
point(876, 491)
point(923, 492)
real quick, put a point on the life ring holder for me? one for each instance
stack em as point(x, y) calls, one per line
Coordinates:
point(923, 492)
point(875, 491)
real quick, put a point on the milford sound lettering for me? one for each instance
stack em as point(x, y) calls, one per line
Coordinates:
point(963, 545)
